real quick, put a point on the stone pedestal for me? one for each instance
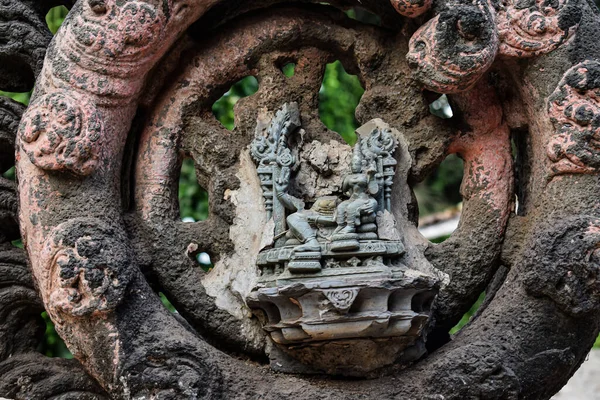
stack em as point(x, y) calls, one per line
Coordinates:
point(345, 320)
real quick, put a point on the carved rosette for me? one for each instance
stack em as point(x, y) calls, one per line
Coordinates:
point(62, 132)
point(411, 8)
point(528, 30)
point(90, 269)
point(574, 109)
point(451, 52)
point(341, 299)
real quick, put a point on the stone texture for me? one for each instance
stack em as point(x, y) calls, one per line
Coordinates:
point(321, 168)
point(540, 316)
point(10, 115)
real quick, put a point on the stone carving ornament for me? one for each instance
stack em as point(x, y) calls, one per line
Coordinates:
point(319, 268)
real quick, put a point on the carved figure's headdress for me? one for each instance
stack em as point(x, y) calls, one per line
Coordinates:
point(356, 165)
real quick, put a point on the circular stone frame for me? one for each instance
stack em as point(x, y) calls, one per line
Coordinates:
point(538, 266)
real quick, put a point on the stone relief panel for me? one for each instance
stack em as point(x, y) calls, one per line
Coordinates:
point(326, 275)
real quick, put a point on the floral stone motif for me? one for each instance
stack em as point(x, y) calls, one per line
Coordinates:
point(574, 110)
point(62, 133)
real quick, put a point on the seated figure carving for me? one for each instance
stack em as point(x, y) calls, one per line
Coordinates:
point(341, 224)
point(304, 238)
point(356, 216)
point(331, 270)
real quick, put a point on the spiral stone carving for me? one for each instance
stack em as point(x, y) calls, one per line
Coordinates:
point(527, 31)
point(89, 267)
point(450, 52)
point(132, 26)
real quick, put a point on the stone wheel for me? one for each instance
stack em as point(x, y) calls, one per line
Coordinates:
point(125, 94)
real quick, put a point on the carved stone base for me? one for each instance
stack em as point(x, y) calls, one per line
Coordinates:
point(304, 266)
point(269, 260)
point(345, 245)
point(316, 318)
point(354, 358)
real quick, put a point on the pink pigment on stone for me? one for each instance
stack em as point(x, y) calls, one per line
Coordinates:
point(444, 74)
point(575, 113)
point(486, 151)
point(527, 33)
point(411, 9)
point(105, 71)
point(63, 132)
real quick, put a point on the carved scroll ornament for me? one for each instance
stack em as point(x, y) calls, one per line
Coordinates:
point(62, 133)
point(574, 109)
point(452, 51)
point(411, 8)
point(528, 30)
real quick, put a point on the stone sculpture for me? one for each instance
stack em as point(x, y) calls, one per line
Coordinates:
point(326, 276)
point(318, 263)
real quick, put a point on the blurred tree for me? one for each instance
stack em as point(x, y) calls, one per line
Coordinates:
point(338, 98)
point(467, 317)
point(53, 345)
point(55, 18)
point(441, 189)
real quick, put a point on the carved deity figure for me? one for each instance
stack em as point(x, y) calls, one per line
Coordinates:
point(355, 215)
point(358, 214)
point(359, 204)
point(339, 226)
point(303, 223)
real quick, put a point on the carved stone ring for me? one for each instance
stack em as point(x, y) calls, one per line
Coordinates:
point(313, 286)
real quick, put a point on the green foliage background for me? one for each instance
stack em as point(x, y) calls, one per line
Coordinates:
point(339, 96)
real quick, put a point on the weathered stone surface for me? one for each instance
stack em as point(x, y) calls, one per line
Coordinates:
point(33, 376)
point(24, 38)
point(321, 168)
point(62, 132)
point(24, 373)
point(575, 113)
point(540, 317)
point(537, 29)
point(451, 51)
point(8, 210)
point(88, 273)
point(411, 8)
point(21, 308)
point(566, 263)
point(10, 115)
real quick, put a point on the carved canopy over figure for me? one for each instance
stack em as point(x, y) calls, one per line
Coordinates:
point(318, 263)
